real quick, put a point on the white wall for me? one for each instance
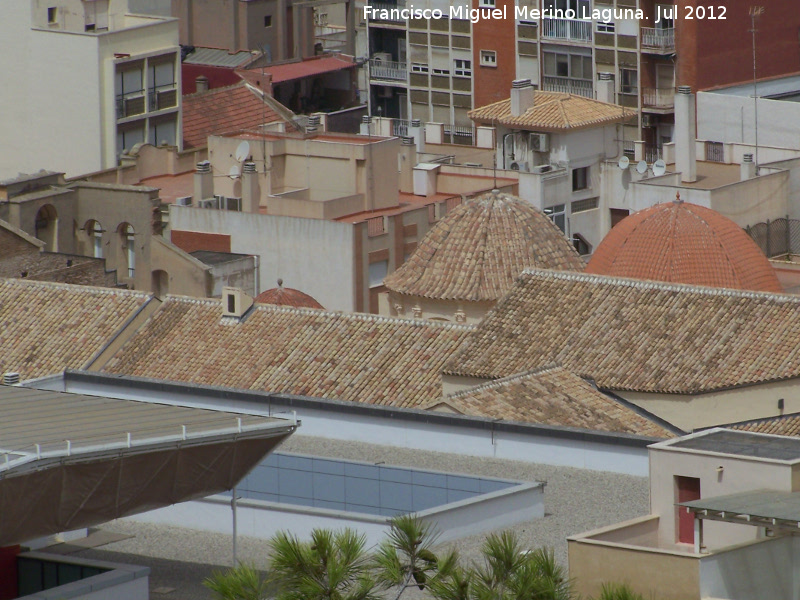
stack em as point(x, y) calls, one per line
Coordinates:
point(466, 437)
point(311, 255)
point(728, 118)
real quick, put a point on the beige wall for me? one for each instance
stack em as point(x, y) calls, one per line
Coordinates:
point(401, 305)
point(717, 408)
point(738, 474)
point(186, 276)
point(653, 573)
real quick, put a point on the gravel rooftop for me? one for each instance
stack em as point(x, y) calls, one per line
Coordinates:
point(576, 500)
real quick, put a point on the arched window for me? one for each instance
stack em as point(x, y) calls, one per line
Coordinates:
point(128, 246)
point(94, 232)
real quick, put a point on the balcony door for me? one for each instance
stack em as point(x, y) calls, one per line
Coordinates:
point(580, 7)
point(686, 490)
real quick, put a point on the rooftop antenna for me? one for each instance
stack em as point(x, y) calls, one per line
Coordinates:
point(494, 170)
point(755, 11)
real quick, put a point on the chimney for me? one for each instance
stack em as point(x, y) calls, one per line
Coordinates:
point(322, 121)
point(521, 96)
point(748, 168)
point(418, 133)
point(235, 302)
point(366, 125)
point(251, 192)
point(605, 88)
point(313, 124)
point(685, 134)
point(408, 160)
point(201, 83)
point(11, 378)
point(203, 182)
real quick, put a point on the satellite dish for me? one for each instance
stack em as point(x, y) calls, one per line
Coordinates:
point(234, 172)
point(641, 167)
point(242, 151)
point(624, 162)
point(659, 167)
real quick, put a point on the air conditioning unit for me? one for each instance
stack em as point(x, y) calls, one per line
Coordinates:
point(540, 142)
point(648, 121)
point(234, 204)
point(382, 57)
point(184, 201)
point(520, 166)
point(542, 169)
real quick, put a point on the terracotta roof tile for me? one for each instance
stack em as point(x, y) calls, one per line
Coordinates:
point(285, 296)
point(554, 111)
point(361, 358)
point(554, 396)
point(634, 335)
point(480, 247)
point(684, 243)
point(48, 327)
point(221, 110)
point(783, 425)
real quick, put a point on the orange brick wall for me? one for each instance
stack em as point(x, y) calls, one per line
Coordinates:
point(190, 241)
point(494, 83)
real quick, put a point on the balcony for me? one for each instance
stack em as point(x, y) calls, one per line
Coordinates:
point(162, 97)
point(578, 87)
point(658, 40)
point(130, 104)
point(388, 70)
point(658, 98)
point(573, 30)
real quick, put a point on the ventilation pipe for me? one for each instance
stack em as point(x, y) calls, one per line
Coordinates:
point(203, 182)
point(521, 96)
point(748, 168)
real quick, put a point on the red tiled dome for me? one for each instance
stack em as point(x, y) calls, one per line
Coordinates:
point(684, 243)
point(283, 296)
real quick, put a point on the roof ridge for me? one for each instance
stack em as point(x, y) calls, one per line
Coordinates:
point(663, 285)
point(72, 287)
point(509, 379)
point(331, 313)
point(216, 90)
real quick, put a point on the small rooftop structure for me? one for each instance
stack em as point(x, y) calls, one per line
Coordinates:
point(680, 242)
point(743, 443)
point(476, 252)
point(69, 461)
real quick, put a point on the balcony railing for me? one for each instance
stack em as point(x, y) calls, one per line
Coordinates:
point(130, 104)
point(579, 87)
point(567, 29)
point(163, 96)
point(662, 40)
point(390, 70)
point(658, 98)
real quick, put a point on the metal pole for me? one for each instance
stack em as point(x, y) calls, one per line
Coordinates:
point(233, 510)
point(755, 11)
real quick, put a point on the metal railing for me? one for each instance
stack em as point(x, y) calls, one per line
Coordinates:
point(776, 238)
point(651, 154)
point(658, 97)
point(162, 96)
point(458, 134)
point(130, 104)
point(567, 29)
point(579, 87)
point(400, 127)
point(654, 38)
point(715, 152)
point(384, 69)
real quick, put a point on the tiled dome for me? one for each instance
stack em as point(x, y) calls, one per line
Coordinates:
point(480, 247)
point(684, 243)
point(283, 296)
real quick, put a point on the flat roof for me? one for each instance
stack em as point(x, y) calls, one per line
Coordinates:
point(750, 507)
point(40, 424)
point(215, 57)
point(782, 88)
point(742, 443)
point(217, 258)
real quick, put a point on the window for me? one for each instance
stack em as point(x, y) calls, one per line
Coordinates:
point(419, 68)
point(95, 234)
point(487, 4)
point(605, 26)
point(268, 20)
point(52, 15)
point(488, 58)
point(581, 245)
point(574, 66)
point(580, 179)
point(583, 205)
point(440, 71)
point(95, 15)
point(128, 246)
point(558, 215)
point(377, 272)
point(628, 84)
point(462, 68)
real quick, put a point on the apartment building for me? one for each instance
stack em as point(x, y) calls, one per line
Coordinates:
point(438, 69)
point(87, 72)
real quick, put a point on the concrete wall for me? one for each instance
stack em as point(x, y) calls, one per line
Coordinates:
point(764, 570)
point(422, 430)
point(401, 305)
point(185, 275)
point(739, 474)
point(310, 255)
point(689, 412)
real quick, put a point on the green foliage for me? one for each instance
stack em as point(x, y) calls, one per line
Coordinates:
point(618, 591)
point(243, 582)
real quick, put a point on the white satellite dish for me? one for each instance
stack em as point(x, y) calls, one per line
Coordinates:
point(641, 167)
point(624, 162)
point(242, 151)
point(234, 172)
point(659, 167)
